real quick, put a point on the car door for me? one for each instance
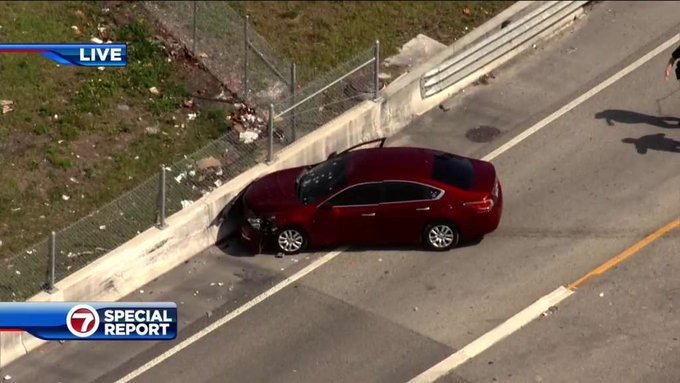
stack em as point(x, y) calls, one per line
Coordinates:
point(349, 217)
point(405, 209)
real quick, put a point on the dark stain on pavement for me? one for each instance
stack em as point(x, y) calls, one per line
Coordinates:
point(483, 133)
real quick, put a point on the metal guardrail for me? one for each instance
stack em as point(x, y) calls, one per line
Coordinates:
point(480, 54)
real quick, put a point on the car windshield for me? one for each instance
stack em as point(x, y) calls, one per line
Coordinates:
point(322, 180)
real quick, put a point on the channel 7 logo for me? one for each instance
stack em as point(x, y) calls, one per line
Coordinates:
point(82, 321)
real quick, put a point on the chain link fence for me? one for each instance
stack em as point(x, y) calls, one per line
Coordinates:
point(275, 111)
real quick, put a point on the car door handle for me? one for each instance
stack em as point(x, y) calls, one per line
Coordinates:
point(368, 215)
point(423, 208)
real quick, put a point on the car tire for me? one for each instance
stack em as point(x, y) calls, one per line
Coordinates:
point(441, 236)
point(290, 240)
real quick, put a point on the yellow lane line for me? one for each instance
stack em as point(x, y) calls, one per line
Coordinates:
point(603, 268)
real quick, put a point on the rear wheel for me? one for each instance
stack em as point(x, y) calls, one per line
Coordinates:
point(291, 240)
point(441, 236)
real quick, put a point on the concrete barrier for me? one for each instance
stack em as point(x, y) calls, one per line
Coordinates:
point(193, 229)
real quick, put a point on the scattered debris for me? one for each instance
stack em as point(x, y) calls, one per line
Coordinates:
point(220, 284)
point(415, 308)
point(467, 11)
point(444, 107)
point(191, 116)
point(279, 255)
point(186, 204)
point(17, 272)
point(97, 40)
point(601, 294)
point(76, 30)
point(248, 137)
point(154, 90)
point(551, 310)
point(484, 80)
point(188, 104)
point(0, 242)
point(218, 183)
point(16, 209)
point(6, 106)
point(123, 107)
point(72, 179)
point(102, 227)
point(212, 283)
point(152, 130)
point(203, 55)
point(534, 46)
point(180, 177)
point(379, 259)
point(65, 197)
point(208, 162)
point(7, 377)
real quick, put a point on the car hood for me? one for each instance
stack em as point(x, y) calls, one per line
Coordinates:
point(273, 192)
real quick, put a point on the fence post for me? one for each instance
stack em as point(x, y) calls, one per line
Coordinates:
point(52, 271)
point(270, 131)
point(376, 70)
point(246, 42)
point(161, 199)
point(293, 85)
point(194, 39)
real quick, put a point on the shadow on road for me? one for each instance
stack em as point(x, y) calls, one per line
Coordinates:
point(657, 141)
point(630, 117)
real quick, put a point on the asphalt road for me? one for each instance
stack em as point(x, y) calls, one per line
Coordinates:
point(584, 188)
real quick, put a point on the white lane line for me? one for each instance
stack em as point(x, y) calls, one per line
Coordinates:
point(582, 98)
point(217, 324)
point(490, 338)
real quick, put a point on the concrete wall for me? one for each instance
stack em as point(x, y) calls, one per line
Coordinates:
point(191, 230)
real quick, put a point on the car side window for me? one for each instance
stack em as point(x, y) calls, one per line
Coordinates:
point(408, 191)
point(365, 194)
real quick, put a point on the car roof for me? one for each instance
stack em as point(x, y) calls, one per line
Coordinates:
point(376, 164)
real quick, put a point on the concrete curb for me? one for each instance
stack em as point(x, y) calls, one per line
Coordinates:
point(194, 228)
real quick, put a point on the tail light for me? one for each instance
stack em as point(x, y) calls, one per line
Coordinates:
point(483, 206)
point(494, 191)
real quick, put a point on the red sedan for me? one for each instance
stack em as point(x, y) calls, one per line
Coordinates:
point(374, 196)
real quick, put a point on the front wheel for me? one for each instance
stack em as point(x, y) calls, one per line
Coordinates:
point(441, 236)
point(291, 241)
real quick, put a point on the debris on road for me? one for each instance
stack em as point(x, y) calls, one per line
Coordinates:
point(141, 291)
point(601, 294)
point(212, 283)
point(551, 310)
point(7, 377)
point(415, 308)
point(7, 106)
